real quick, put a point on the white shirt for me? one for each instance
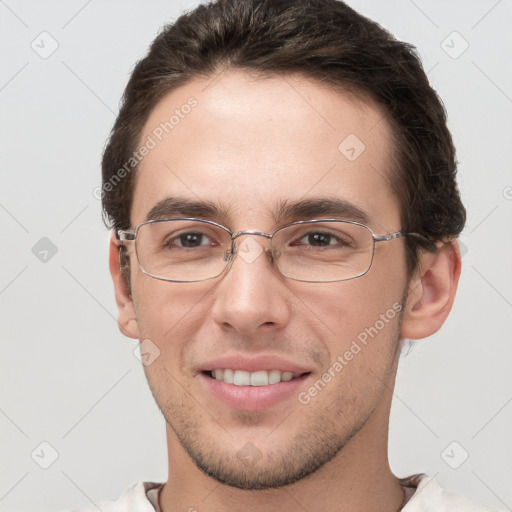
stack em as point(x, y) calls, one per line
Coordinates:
point(428, 496)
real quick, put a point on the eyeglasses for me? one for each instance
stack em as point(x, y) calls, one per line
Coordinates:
point(321, 250)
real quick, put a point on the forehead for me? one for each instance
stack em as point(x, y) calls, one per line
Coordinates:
point(250, 145)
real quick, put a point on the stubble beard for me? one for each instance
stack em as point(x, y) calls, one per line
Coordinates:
point(247, 468)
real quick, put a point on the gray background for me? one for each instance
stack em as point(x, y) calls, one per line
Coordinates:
point(70, 379)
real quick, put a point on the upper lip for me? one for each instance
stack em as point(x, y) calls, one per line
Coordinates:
point(253, 364)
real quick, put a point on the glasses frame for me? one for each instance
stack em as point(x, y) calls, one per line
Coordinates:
point(131, 236)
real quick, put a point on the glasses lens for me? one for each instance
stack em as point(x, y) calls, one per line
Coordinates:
point(323, 251)
point(182, 250)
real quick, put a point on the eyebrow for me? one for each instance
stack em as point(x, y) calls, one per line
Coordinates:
point(286, 210)
point(182, 207)
point(311, 208)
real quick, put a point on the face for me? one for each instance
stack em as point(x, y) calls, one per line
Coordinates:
point(247, 147)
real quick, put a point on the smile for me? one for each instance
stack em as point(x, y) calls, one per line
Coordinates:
point(257, 378)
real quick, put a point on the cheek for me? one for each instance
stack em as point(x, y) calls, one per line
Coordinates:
point(345, 309)
point(168, 313)
point(363, 320)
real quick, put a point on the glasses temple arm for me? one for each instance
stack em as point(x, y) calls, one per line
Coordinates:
point(124, 236)
point(391, 236)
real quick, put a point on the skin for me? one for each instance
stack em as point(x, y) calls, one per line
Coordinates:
point(252, 143)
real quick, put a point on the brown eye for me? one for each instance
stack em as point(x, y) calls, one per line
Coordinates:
point(191, 240)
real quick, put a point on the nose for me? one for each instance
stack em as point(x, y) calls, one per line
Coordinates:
point(252, 295)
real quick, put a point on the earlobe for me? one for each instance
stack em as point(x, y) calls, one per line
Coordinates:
point(126, 317)
point(431, 291)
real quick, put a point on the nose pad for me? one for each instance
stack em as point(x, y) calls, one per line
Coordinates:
point(274, 255)
point(249, 250)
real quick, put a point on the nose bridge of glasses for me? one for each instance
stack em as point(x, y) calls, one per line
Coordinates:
point(250, 232)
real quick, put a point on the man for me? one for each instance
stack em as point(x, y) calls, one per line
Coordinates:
point(281, 186)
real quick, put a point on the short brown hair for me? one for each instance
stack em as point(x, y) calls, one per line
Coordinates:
point(326, 41)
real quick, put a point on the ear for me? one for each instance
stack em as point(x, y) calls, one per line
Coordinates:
point(431, 291)
point(126, 317)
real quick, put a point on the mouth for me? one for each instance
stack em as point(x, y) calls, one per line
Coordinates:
point(257, 378)
point(258, 390)
point(253, 382)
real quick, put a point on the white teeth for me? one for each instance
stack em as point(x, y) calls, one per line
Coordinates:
point(258, 378)
point(242, 378)
point(287, 376)
point(227, 377)
point(274, 377)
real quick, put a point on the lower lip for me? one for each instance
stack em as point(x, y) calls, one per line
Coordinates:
point(252, 398)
